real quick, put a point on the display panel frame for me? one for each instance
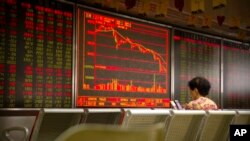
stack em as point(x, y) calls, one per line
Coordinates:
point(77, 88)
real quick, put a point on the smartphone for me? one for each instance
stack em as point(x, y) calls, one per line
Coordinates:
point(178, 105)
point(173, 105)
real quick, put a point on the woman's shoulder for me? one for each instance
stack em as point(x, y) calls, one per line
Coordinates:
point(210, 104)
point(208, 100)
point(202, 103)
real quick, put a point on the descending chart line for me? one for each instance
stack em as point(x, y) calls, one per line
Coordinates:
point(120, 40)
point(138, 41)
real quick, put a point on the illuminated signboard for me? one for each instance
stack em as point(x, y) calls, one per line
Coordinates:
point(35, 53)
point(121, 62)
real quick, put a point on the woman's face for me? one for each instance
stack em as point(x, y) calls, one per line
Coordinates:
point(194, 94)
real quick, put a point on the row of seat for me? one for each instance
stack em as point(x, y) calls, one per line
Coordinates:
point(48, 124)
point(191, 125)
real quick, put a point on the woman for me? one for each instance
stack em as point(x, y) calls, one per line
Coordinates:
point(199, 88)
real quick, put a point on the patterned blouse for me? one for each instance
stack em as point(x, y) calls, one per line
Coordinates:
point(202, 103)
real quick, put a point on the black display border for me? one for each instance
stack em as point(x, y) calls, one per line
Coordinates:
point(122, 16)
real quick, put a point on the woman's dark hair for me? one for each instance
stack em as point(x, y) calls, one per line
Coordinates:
point(203, 86)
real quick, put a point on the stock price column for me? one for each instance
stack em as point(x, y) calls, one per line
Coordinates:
point(36, 53)
point(8, 55)
point(67, 71)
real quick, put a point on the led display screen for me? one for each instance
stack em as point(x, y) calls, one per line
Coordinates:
point(195, 55)
point(236, 62)
point(36, 40)
point(121, 62)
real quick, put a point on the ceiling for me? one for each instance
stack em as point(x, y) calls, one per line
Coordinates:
point(174, 17)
